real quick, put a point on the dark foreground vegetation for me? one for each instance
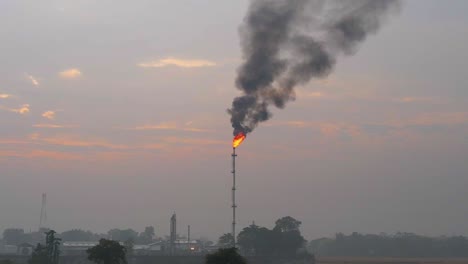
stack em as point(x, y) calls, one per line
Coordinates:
point(225, 256)
point(397, 245)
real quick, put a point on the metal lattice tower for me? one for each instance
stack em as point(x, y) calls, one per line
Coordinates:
point(43, 220)
point(234, 206)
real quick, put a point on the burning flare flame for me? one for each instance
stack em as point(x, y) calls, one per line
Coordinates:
point(238, 139)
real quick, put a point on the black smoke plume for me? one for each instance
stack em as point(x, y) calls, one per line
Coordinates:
point(286, 43)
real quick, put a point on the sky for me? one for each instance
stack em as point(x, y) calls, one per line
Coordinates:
point(117, 110)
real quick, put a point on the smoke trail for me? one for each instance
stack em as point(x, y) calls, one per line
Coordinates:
point(287, 42)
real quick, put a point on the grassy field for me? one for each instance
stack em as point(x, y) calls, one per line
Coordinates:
point(358, 260)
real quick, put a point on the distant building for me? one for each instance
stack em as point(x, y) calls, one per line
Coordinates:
point(182, 246)
point(72, 248)
point(25, 249)
point(9, 250)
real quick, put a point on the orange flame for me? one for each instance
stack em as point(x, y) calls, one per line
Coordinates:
point(238, 139)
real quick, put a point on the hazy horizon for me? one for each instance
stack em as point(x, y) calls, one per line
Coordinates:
point(117, 110)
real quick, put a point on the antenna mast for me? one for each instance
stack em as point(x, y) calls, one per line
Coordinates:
point(43, 220)
point(234, 206)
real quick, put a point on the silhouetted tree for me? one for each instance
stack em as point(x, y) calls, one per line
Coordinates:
point(287, 237)
point(397, 245)
point(287, 224)
point(52, 247)
point(122, 235)
point(255, 240)
point(225, 256)
point(107, 252)
point(128, 244)
point(146, 236)
point(283, 240)
point(226, 240)
point(13, 236)
point(39, 255)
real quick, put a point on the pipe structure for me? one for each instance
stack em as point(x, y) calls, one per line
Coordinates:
point(234, 206)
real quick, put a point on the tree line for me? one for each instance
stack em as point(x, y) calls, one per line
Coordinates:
point(16, 236)
point(284, 239)
point(385, 245)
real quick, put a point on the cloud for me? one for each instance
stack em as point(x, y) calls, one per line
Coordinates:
point(178, 63)
point(52, 126)
point(431, 119)
point(37, 153)
point(303, 93)
point(410, 99)
point(5, 96)
point(328, 129)
point(33, 80)
point(70, 141)
point(161, 126)
point(70, 73)
point(12, 142)
point(194, 141)
point(170, 126)
point(24, 109)
point(49, 115)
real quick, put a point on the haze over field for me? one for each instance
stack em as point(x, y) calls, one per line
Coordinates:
point(117, 110)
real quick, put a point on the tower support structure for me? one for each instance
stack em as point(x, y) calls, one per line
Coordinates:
point(234, 206)
point(43, 219)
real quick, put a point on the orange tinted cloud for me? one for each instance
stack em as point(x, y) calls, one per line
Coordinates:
point(194, 141)
point(52, 126)
point(52, 155)
point(183, 63)
point(70, 73)
point(12, 142)
point(303, 93)
point(428, 119)
point(161, 126)
point(49, 115)
point(170, 126)
point(24, 109)
point(38, 153)
point(329, 129)
point(416, 100)
point(71, 141)
point(33, 80)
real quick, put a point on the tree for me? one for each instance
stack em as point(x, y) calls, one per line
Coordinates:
point(287, 235)
point(225, 256)
point(255, 240)
point(289, 242)
point(48, 254)
point(284, 239)
point(122, 235)
point(146, 236)
point(128, 244)
point(226, 240)
point(39, 255)
point(107, 252)
point(13, 236)
point(52, 247)
point(286, 224)
point(397, 245)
